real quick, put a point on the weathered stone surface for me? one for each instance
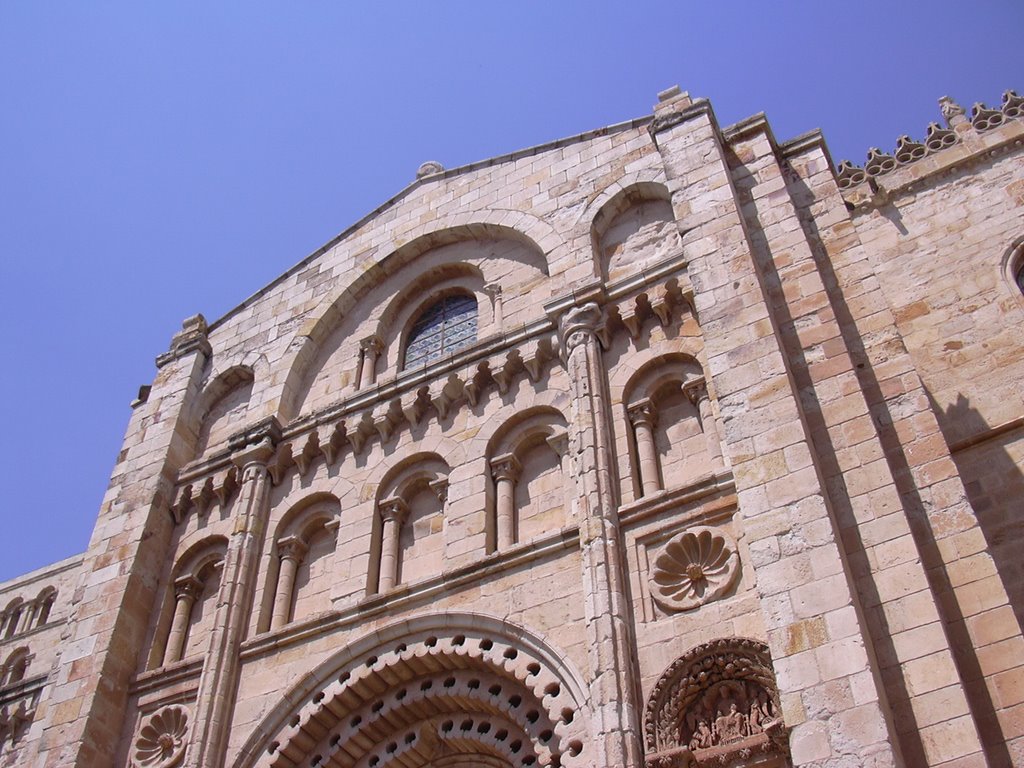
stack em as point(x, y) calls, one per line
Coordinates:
point(706, 454)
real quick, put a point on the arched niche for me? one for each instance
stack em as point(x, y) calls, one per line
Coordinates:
point(717, 704)
point(44, 605)
point(408, 527)
point(16, 666)
point(675, 437)
point(528, 459)
point(436, 690)
point(299, 577)
point(505, 269)
point(635, 228)
point(187, 613)
point(221, 409)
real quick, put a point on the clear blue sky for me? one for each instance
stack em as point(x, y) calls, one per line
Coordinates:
point(162, 159)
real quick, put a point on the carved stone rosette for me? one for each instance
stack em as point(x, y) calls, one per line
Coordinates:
point(717, 705)
point(161, 739)
point(695, 567)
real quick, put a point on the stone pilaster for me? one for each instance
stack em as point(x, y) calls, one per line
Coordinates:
point(613, 677)
point(812, 615)
point(218, 685)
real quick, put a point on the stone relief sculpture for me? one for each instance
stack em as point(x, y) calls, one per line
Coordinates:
point(695, 567)
point(717, 704)
point(161, 739)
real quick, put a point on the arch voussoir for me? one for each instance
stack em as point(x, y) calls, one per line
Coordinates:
point(426, 696)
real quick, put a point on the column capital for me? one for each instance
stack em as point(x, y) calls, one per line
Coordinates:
point(440, 488)
point(642, 412)
point(696, 391)
point(372, 344)
point(292, 548)
point(559, 443)
point(394, 509)
point(188, 587)
point(579, 324)
point(493, 289)
point(268, 429)
point(506, 467)
point(255, 445)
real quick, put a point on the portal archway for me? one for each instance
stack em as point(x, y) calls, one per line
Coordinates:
point(441, 691)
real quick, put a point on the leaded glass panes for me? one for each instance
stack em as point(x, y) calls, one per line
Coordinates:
point(444, 327)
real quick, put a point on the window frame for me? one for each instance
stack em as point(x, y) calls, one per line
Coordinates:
point(439, 300)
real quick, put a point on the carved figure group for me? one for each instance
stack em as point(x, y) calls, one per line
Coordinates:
point(729, 713)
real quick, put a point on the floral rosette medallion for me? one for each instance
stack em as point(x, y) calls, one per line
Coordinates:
point(695, 567)
point(161, 740)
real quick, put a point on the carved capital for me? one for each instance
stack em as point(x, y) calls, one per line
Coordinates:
point(394, 509)
point(372, 345)
point(578, 325)
point(188, 588)
point(506, 467)
point(292, 548)
point(559, 443)
point(643, 412)
point(440, 488)
point(267, 430)
point(696, 392)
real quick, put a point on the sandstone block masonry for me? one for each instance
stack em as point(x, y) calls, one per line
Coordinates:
point(668, 444)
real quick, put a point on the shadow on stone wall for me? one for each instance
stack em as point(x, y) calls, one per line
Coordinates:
point(994, 483)
point(964, 655)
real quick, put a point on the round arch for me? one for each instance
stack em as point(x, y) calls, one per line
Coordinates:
point(438, 689)
point(538, 237)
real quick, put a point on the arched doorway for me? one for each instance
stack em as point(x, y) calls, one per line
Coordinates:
point(433, 692)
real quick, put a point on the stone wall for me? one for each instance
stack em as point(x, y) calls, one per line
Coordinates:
point(720, 466)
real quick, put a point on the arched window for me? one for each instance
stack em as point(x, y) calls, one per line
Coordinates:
point(444, 327)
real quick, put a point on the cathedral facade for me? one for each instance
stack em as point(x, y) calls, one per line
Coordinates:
point(669, 444)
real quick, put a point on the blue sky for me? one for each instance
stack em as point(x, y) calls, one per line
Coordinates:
point(163, 159)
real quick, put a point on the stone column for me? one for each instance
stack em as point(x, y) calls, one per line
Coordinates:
point(505, 470)
point(494, 291)
point(614, 680)
point(369, 350)
point(28, 612)
point(291, 550)
point(187, 590)
point(643, 416)
point(218, 685)
point(698, 395)
point(392, 513)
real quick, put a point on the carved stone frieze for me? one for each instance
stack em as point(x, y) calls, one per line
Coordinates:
point(160, 742)
point(695, 567)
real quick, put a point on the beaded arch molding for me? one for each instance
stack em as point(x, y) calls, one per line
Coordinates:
point(432, 690)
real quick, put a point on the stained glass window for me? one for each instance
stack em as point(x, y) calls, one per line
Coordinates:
point(444, 327)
